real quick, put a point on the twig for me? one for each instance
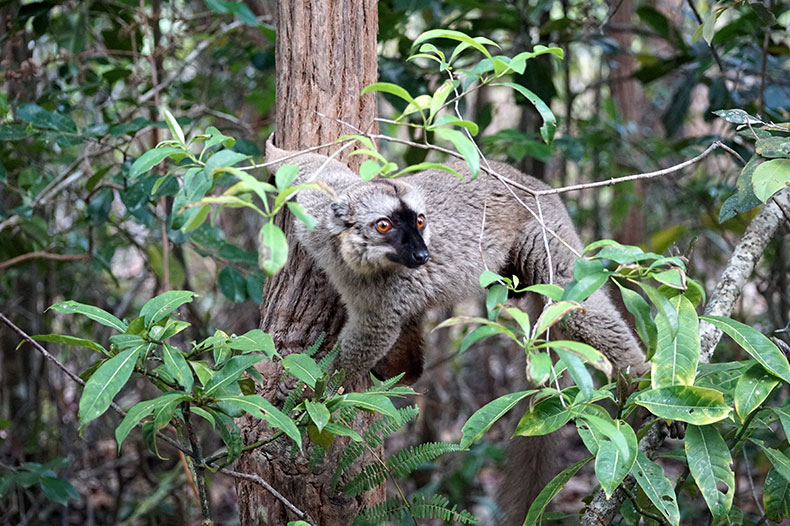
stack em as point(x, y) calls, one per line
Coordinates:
point(77, 379)
point(259, 480)
point(200, 477)
point(43, 255)
point(751, 481)
point(700, 21)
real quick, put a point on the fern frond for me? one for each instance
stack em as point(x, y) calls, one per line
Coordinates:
point(435, 507)
point(310, 351)
point(373, 436)
point(316, 456)
point(407, 460)
point(391, 510)
point(371, 476)
point(293, 397)
point(325, 362)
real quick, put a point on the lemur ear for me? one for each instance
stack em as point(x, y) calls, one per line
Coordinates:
point(341, 210)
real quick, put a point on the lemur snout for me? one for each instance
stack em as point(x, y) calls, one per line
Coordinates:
point(420, 257)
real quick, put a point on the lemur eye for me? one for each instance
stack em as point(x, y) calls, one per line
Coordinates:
point(420, 221)
point(383, 225)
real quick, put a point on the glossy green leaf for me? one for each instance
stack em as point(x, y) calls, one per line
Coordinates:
point(549, 120)
point(675, 360)
point(476, 335)
point(392, 89)
point(318, 412)
point(464, 146)
point(752, 389)
point(370, 402)
point(344, 431)
point(710, 464)
point(665, 309)
point(58, 490)
point(454, 35)
point(538, 367)
point(547, 416)
point(776, 496)
point(273, 248)
point(482, 419)
point(230, 372)
point(105, 383)
point(645, 326)
point(159, 307)
point(579, 373)
point(224, 159)
point(70, 340)
point(301, 214)
point(658, 488)
point(779, 460)
point(177, 366)
point(548, 493)
point(150, 159)
point(94, 313)
point(690, 404)
point(586, 352)
point(755, 343)
point(260, 407)
point(41, 118)
point(552, 314)
point(142, 410)
point(232, 284)
point(773, 147)
point(770, 177)
point(302, 367)
point(616, 453)
point(254, 340)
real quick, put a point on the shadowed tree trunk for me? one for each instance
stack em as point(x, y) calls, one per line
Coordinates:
point(325, 55)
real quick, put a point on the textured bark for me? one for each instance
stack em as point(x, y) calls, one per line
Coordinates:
point(325, 55)
point(740, 266)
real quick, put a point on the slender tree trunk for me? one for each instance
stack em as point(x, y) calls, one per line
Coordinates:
point(326, 54)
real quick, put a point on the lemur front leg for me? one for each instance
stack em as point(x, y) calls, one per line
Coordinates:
point(364, 340)
point(405, 356)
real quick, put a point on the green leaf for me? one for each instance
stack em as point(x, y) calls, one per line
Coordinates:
point(232, 284)
point(301, 214)
point(547, 416)
point(302, 367)
point(675, 360)
point(177, 367)
point(273, 248)
point(549, 120)
point(754, 343)
point(546, 495)
point(579, 373)
point(658, 488)
point(58, 490)
point(616, 454)
point(341, 430)
point(690, 404)
point(776, 496)
point(709, 25)
point(778, 459)
point(553, 292)
point(710, 464)
point(737, 116)
point(159, 307)
point(665, 308)
point(150, 159)
point(175, 128)
point(370, 402)
point(142, 410)
point(485, 417)
point(285, 176)
point(645, 326)
point(94, 313)
point(586, 352)
point(392, 89)
point(216, 137)
point(773, 147)
point(318, 412)
point(464, 146)
point(230, 372)
point(752, 389)
point(70, 340)
point(454, 35)
point(224, 159)
point(38, 116)
point(105, 383)
point(196, 219)
point(260, 407)
point(254, 340)
point(770, 177)
point(538, 367)
point(476, 335)
point(552, 314)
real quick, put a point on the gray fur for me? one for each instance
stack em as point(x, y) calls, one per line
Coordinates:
point(381, 296)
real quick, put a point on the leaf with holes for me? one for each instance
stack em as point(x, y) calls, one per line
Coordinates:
point(658, 488)
point(710, 464)
point(690, 404)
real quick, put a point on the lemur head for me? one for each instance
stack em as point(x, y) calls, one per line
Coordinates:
point(382, 226)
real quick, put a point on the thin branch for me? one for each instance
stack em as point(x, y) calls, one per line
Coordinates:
point(257, 479)
point(22, 334)
point(647, 175)
point(43, 255)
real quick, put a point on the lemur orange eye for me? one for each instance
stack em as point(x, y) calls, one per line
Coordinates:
point(383, 225)
point(420, 221)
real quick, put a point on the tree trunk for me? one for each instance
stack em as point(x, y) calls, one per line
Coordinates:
point(325, 55)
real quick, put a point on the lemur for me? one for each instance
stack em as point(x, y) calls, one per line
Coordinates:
point(394, 248)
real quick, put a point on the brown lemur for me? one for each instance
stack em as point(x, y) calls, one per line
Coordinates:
point(394, 248)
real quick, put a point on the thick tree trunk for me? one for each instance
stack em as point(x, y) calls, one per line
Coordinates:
point(326, 54)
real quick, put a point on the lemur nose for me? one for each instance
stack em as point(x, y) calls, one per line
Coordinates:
point(420, 256)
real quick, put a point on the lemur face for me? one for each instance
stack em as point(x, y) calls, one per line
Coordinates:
point(385, 227)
